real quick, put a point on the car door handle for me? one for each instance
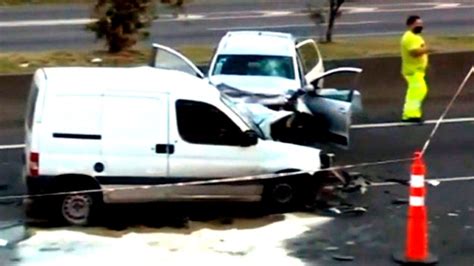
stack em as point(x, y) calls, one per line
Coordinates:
point(164, 148)
point(342, 110)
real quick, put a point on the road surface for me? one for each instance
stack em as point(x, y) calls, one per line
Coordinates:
point(62, 27)
point(373, 237)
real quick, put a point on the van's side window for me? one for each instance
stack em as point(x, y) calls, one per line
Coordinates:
point(201, 123)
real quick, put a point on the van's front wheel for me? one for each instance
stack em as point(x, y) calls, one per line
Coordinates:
point(285, 194)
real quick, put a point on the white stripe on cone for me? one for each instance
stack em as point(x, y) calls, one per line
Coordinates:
point(417, 181)
point(417, 201)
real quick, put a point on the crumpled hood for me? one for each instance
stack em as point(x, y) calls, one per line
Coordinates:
point(257, 84)
point(263, 117)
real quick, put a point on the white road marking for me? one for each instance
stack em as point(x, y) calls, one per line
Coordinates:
point(241, 15)
point(402, 124)
point(447, 5)
point(12, 146)
point(441, 180)
point(291, 25)
point(349, 35)
point(277, 13)
point(353, 10)
point(440, 7)
point(52, 22)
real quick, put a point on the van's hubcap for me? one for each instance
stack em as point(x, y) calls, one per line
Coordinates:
point(76, 208)
point(282, 193)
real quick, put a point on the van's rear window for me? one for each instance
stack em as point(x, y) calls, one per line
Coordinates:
point(31, 105)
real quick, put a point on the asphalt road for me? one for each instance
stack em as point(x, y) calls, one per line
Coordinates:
point(371, 238)
point(62, 27)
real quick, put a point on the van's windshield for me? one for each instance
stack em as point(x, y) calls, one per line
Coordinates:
point(244, 114)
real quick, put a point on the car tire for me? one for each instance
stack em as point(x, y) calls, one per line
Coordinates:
point(78, 209)
point(285, 194)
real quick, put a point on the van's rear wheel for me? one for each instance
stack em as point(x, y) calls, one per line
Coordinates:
point(76, 209)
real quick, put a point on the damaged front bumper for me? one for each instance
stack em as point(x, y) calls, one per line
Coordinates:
point(327, 160)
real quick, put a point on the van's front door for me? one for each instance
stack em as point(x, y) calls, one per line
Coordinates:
point(135, 140)
point(209, 145)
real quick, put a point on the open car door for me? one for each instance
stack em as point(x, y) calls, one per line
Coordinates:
point(165, 57)
point(311, 59)
point(333, 105)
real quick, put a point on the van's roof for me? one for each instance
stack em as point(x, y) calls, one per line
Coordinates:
point(139, 79)
point(257, 43)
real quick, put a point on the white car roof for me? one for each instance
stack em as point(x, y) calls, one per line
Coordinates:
point(257, 43)
point(139, 79)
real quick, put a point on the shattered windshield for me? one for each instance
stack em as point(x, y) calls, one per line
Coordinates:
point(255, 65)
point(243, 113)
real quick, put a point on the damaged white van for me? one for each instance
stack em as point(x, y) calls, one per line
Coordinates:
point(108, 132)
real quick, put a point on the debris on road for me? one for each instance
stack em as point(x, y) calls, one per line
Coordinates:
point(331, 249)
point(400, 201)
point(3, 242)
point(399, 181)
point(350, 243)
point(453, 214)
point(347, 210)
point(343, 258)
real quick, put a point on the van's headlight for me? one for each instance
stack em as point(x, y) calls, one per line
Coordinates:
point(326, 159)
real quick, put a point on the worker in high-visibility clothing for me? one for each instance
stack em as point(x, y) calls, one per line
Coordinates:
point(414, 64)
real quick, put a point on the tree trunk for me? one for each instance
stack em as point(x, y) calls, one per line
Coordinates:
point(332, 18)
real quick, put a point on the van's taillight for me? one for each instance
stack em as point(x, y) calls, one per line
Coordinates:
point(34, 164)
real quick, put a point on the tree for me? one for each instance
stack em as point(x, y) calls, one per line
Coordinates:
point(123, 22)
point(318, 10)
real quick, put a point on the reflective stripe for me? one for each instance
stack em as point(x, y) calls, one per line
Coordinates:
point(417, 201)
point(417, 181)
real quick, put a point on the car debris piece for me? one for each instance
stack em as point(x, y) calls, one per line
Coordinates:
point(347, 210)
point(453, 214)
point(331, 248)
point(335, 210)
point(350, 243)
point(399, 181)
point(400, 201)
point(343, 258)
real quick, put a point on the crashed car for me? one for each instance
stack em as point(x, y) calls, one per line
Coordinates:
point(301, 113)
point(265, 62)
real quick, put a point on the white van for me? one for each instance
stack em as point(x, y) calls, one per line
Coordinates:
point(118, 129)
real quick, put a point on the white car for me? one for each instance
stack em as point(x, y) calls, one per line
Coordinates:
point(265, 62)
point(115, 130)
point(304, 110)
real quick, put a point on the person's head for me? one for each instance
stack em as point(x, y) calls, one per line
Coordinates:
point(415, 24)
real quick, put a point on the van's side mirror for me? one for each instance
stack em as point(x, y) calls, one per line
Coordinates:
point(249, 138)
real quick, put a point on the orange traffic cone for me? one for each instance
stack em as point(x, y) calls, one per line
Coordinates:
point(416, 249)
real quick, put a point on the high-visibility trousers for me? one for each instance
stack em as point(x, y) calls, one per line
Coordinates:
point(416, 94)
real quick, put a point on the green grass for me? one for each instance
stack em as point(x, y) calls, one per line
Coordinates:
point(26, 62)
